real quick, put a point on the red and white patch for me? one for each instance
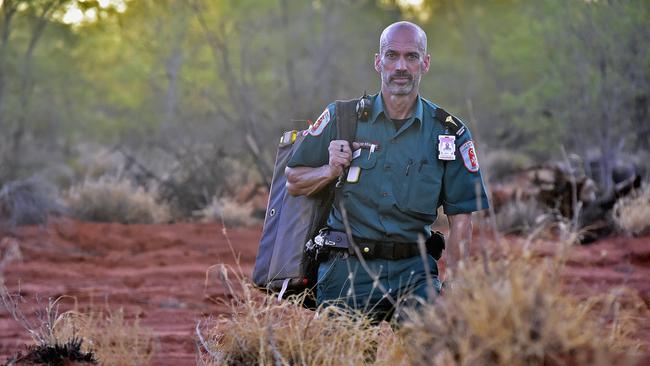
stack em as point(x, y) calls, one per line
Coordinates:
point(322, 121)
point(468, 152)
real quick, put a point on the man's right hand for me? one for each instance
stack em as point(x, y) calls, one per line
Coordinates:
point(307, 181)
point(340, 156)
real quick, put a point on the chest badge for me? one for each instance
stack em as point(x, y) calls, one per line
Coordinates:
point(447, 147)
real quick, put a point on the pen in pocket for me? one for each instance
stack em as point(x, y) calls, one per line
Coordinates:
point(408, 166)
point(422, 162)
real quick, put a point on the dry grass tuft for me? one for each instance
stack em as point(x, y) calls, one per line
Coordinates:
point(507, 311)
point(513, 312)
point(229, 212)
point(113, 339)
point(501, 163)
point(632, 214)
point(508, 308)
point(521, 216)
point(111, 199)
point(263, 331)
point(105, 335)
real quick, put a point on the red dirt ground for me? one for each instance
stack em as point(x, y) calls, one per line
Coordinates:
point(159, 271)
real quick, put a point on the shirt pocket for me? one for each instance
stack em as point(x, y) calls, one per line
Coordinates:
point(365, 160)
point(423, 189)
point(359, 168)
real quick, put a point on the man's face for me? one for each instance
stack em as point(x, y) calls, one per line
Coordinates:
point(401, 63)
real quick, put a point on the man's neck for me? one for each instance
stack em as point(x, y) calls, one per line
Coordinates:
point(399, 106)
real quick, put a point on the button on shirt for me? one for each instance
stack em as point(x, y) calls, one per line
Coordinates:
point(402, 183)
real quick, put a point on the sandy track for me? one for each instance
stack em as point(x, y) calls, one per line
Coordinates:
point(159, 271)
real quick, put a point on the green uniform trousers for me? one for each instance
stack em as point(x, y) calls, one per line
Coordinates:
point(343, 282)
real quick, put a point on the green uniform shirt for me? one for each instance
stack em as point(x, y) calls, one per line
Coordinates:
point(403, 182)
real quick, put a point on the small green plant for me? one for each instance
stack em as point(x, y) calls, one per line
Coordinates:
point(632, 214)
point(112, 199)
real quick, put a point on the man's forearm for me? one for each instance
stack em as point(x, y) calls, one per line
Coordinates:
point(460, 234)
point(307, 181)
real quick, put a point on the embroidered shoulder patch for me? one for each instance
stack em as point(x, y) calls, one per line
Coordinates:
point(322, 121)
point(468, 152)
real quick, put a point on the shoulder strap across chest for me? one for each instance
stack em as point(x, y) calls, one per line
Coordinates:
point(346, 120)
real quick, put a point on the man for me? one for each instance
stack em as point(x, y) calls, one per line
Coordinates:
point(404, 163)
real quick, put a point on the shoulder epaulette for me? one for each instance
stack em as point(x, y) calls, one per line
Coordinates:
point(449, 121)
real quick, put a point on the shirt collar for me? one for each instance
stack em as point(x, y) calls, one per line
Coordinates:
point(378, 109)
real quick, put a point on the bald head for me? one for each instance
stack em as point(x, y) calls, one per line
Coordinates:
point(387, 34)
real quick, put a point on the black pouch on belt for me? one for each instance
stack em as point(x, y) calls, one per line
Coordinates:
point(435, 244)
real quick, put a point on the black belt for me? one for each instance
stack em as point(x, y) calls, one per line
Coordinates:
point(338, 241)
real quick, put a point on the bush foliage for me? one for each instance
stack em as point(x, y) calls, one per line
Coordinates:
point(26, 202)
point(111, 199)
point(229, 212)
point(498, 164)
point(520, 216)
point(632, 214)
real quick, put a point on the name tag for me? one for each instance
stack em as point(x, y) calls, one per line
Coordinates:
point(447, 147)
point(353, 174)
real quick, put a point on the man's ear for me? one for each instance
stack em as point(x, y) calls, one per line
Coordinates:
point(426, 62)
point(377, 63)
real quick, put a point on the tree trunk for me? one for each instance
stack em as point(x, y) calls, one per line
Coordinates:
point(26, 83)
point(172, 68)
point(8, 10)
